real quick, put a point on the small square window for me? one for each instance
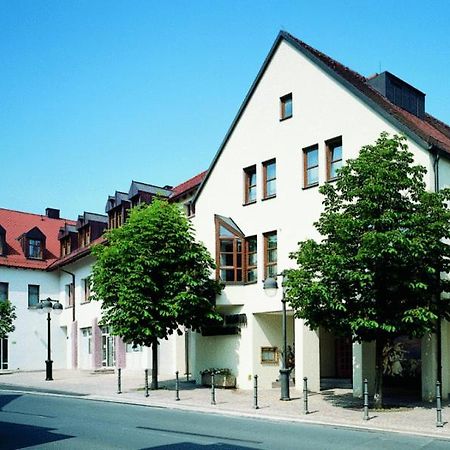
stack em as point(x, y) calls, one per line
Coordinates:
point(286, 106)
point(269, 355)
point(334, 157)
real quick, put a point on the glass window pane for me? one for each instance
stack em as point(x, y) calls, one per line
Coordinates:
point(312, 158)
point(239, 275)
point(33, 295)
point(271, 188)
point(252, 275)
point(225, 232)
point(226, 259)
point(288, 107)
point(252, 194)
point(226, 245)
point(334, 168)
point(271, 171)
point(239, 260)
point(272, 270)
point(227, 274)
point(239, 245)
point(252, 259)
point(252, 178)
point(336, 153)
point(3, 291)
point(271, 241)
point(272, 255)
point(252, 245)
point(312, 176)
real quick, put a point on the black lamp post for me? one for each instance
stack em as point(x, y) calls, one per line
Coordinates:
point(47, 306)
point(270, 288)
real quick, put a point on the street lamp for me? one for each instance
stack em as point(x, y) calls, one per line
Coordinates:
point(47, 306)
point(270, 288)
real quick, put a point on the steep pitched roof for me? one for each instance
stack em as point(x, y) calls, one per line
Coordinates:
point(17, 223)
point(428, 132)
point(188, 185)
point(137, 186)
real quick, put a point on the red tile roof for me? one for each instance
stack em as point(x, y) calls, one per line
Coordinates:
point(15, 224)
point(431, 130)
point(188, 185)
point(75, 255)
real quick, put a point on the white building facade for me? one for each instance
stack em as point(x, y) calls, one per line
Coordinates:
point(304, 115)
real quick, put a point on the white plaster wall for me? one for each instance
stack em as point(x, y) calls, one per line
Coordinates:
point(28, 343)
point(322, 109)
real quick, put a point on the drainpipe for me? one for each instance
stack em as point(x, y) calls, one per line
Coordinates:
point(73, 284)
point(436, 154)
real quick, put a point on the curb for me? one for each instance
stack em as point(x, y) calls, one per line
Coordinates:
point(231, 413)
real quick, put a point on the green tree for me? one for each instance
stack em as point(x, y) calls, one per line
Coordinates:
point(153, 277)
point(7, 316)
point(375, 274)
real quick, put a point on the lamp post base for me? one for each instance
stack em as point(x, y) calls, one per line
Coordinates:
point(284, 381)
point(49, 370)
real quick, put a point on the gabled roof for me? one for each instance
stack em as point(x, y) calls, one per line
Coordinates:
point(428, 132)
point(86, 217)
point(17, 223)
point(188, 185)
point(137, 186)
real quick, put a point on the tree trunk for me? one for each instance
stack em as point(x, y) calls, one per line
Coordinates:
point(378, 396)
point(154, 384)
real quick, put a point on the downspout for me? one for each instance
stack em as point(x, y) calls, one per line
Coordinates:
point(73, 284)
point(439, 324)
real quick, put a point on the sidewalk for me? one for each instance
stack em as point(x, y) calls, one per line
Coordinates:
point(334, 407)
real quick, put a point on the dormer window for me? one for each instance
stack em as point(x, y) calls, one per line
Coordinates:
point(35, 248)
point(33, 243)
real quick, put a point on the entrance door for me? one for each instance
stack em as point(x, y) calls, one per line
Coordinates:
point(4, 354)
point(108, 350)
point(343, 358)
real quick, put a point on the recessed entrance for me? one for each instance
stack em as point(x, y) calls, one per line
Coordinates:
point(108, 349)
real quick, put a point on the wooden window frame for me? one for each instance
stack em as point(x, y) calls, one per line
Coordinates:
point(307, 150)
point(266, 180)
point(38, 295)
point(248, 172)
point(247, 264)
point(86, 289)
point(283, 101)
point(268, 264)
point(235, 238)
point(274, 351)
point(330, 145)
point(69, 295)
point(41, 248)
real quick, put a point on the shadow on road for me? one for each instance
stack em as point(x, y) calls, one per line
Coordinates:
point(14, 436)
point(192, 446)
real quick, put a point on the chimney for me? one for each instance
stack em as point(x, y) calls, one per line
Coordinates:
point(52, 213)
point(399, 92)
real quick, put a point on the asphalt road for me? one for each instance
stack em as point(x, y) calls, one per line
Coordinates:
point(49, 422)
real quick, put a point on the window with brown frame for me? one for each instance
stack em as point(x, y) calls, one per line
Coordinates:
point(230, 246)
point(286, 106)
point(311, 166)
point(270, 254)
point(334, 157)
point(251, 250)
point(35, 248)
point(250, 184)
point(269, 355)
point(270, 178)
point(69, 294)
point(85, 236)
point(4, 287)
point(86, 289)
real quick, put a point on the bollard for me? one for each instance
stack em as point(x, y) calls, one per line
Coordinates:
point(439, 422)
point(119, 380)
point(366, 400)
point(177, 387)
point(146, 382)
point(255, 393)
point(213, 390)
point(305, 395)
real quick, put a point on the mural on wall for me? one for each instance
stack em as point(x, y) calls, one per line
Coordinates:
point(402, 359)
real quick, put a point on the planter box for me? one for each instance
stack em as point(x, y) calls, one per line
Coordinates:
point(221, 381)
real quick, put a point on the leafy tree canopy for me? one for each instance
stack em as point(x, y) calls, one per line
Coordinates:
point(376, 272)
point(152, 276)
point(7, 316)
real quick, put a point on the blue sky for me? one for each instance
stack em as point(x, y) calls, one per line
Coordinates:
point(94, 94)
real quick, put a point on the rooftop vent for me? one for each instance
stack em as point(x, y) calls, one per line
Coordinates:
point(399, 92)
point(52, 213)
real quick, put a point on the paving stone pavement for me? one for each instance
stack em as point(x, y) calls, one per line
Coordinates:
point(333, 406)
